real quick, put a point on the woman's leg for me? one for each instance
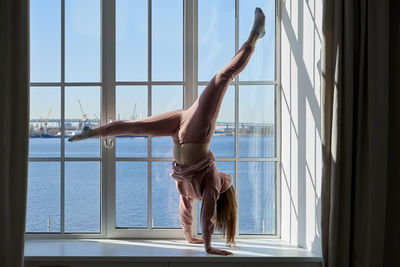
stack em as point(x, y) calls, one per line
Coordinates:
point(211, 98)
point(164, 124)
point(201, 117)
point(213, 94)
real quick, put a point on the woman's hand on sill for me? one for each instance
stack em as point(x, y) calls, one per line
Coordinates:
point(216, 251)
point(193, 240)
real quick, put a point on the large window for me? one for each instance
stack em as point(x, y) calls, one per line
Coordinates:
point(96, 61)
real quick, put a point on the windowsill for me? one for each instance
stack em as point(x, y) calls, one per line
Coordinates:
point(113, 250)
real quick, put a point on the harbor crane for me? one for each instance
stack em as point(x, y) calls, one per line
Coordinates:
point(97, 119)
point(46, 121)
point(41, 125)
point(84, 116)
point(133, 117)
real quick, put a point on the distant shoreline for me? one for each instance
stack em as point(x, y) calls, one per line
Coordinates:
point(130, 136)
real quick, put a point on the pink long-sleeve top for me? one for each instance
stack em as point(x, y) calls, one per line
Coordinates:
point(202, 181)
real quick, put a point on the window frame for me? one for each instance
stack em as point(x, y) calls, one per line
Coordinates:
point(190, 85)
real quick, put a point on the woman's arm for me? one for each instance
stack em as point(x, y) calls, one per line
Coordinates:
point(185, 214)
point(207, 218)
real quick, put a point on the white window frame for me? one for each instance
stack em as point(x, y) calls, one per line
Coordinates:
point(190, 84)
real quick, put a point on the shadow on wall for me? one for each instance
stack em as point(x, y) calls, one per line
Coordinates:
point(301, 122)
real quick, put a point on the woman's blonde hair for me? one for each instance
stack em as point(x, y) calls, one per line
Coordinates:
point(227, 215)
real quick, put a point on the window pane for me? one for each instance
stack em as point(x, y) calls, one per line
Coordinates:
point(131, 105)
point(45, 40)
point(82, 197)
point(131, 40)
point(167, 40)
point(261, 67)
point(45, 119)
point(82, 107)
point(162, 147)
point(226, 167)
point(165, 197)
point(164, 99)
point(257, 121)
point(216, 41)
point(43, 203)
point(257, 197)
point(135, 147)
point(223, 141)
point(131, 194)
point(82, 41)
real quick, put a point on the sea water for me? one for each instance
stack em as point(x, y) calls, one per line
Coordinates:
point(255, 183)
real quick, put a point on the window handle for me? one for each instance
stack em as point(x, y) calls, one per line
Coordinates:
point(108, 143)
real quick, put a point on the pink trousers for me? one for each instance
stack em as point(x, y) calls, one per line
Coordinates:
point(197, 123)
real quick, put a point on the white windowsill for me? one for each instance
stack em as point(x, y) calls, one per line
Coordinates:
point(86, 250)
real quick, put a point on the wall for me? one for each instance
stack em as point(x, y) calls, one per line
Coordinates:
point(301, 122)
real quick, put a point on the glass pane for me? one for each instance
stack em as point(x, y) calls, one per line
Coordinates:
point(131, 147)
point(43, 203)
point(45, 121)
point(257, 197)
point(257, 121)
point(82, 197)
point(131, 194)
point(82, 107)
point(82, 41)
point(223, 141)
point(261, 66)
point(162, 147)
point(167, 40)
point(165, 197)
point(164, 99)
point(131, 40)
point(226, 167)
point(45, 40)
point(216, 41)
point(131, 105)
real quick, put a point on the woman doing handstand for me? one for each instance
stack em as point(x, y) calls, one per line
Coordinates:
point(194, 169)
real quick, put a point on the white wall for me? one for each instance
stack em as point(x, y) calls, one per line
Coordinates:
point(301, 122)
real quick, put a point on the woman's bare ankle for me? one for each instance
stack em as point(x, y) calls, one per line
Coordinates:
point(253, 37)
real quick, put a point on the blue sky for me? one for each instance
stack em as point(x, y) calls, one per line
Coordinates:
point(82, 56)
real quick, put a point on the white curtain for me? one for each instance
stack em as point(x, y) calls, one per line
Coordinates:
point(360, 133)
point(14, 124)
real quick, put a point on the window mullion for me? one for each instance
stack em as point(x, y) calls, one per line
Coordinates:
point(237, 115)
point(103, 116)
point(149, 107)
point(278, 120)
point(108, 113)
point(190, 31)
point(62, 162)
point(190, 51)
